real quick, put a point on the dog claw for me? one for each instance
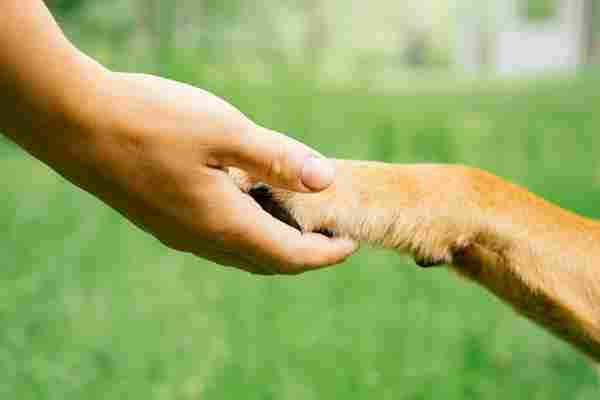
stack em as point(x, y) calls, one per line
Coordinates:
point(428, 263)
point(326, 232)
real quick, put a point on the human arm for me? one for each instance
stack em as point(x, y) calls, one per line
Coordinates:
point(155, 150)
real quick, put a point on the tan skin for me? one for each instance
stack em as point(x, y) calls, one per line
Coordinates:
point(156, 150)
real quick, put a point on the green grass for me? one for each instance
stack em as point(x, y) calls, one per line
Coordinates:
point(92, 308)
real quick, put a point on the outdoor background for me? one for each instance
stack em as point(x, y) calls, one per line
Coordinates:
point(93, 308)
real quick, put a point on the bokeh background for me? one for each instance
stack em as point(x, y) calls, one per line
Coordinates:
point(90, 307)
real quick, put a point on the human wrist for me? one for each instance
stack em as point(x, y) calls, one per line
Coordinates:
point(52, 111)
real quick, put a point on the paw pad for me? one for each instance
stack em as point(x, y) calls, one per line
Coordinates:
point(263, 195)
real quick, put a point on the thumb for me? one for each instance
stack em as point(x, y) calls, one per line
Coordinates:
point(278, 160)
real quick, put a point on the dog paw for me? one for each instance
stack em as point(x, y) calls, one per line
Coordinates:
point(389, 206)
point(263, 195)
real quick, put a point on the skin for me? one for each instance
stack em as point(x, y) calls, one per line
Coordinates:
point(537, 257)
point(156, 150)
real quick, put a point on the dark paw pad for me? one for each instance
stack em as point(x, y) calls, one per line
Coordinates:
point(263, 195)
point(260, 191)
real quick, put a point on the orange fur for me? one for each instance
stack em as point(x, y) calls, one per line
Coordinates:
point(534, 255)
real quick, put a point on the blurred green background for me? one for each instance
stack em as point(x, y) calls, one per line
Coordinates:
point(93, 308)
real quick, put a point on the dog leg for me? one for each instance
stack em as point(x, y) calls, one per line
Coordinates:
point(537, 257)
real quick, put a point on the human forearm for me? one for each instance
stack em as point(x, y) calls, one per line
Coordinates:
point(155, 150)
point(46, 83)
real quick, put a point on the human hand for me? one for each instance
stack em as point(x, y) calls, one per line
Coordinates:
point(155, 150)
point(158, 151)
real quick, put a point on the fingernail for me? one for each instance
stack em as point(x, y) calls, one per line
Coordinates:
point(318, 173)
